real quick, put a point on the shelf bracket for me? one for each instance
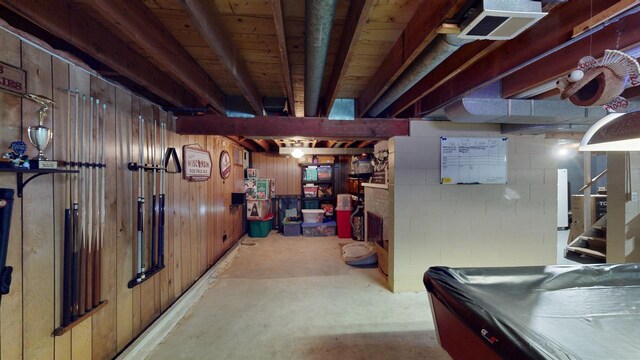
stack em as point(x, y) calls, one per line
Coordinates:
point(21, 184)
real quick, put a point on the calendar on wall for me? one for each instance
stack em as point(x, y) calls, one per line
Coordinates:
point(473, 160)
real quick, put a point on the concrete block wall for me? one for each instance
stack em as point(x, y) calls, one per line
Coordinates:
point(468, 225)
point(377, 202)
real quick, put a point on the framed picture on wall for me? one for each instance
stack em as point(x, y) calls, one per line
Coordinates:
point(237, 156)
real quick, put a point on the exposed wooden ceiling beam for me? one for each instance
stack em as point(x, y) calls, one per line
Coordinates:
point(264, 144)
point(274, 126)
point(632, 92)
point(464, 57)
point(550, 32)
point(247, 143)
point(89, 36)
point(356, 19)
point(278, 18)
point(620, 7)
point(622, 34)
point(419, 32)
point(364, 144)
point(147, 31)
point(206, 19)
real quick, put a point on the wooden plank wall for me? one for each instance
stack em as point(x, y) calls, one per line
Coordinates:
point(198, 218)
point(285, 170)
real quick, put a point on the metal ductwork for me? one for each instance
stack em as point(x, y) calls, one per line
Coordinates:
point(433, 55)
point(501, 19)
point(319, 21)
point(487, 19)
point(513, 111)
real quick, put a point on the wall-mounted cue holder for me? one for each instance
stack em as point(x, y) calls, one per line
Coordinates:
point(84, 216)
point(157, 164)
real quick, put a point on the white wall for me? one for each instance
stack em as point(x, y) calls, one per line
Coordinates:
point(468, 225)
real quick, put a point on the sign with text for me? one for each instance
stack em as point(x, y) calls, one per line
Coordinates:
point(197, 163)
point(13, 79)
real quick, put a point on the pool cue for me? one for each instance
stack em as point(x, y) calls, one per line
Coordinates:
point(163, 133)
point(75, 216)
point(82, 262)
point(154, 204)
point(68, 226)
point(140, 265)
point(99, 203)
point(90, 216)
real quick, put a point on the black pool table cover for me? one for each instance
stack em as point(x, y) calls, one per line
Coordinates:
point(546, 312)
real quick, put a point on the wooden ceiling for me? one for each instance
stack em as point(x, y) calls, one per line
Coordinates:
point(196, 54)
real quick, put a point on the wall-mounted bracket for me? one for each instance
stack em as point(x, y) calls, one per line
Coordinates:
point(21, 183)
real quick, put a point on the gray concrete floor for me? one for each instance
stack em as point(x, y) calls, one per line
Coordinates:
point(294, 298)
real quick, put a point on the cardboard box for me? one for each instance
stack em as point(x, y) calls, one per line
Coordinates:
point(258, 209)
point(257, 189)
point(252, 173)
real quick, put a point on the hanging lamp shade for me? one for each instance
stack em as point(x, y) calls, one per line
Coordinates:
point(614, 132)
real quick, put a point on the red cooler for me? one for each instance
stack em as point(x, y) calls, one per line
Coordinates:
point(344, 224)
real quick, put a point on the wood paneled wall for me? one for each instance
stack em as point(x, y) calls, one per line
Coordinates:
point(198, 217)
point(285, 170)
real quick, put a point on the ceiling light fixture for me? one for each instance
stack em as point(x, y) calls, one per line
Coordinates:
point(297, 153)
point(614, 132)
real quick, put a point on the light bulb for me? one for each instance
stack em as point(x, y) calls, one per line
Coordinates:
point(297, 153)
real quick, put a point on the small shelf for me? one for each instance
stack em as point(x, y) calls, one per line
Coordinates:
point(147, 275)
point(323, 198)
point(321, 182)
point(360, 176)
point(63, 329)
point(21, 183)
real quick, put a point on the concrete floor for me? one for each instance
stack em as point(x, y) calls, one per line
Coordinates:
point(294, 298)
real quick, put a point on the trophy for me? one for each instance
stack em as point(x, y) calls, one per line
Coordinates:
point(40, 135)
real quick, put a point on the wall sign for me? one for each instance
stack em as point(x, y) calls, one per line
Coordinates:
point(13, 79)
point(197, 163)
point(225, 164)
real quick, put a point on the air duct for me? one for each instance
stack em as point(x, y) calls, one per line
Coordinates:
point(491, 19)
point(512, 111)
point(435, 53)
point(319, 21)
point(501, 19)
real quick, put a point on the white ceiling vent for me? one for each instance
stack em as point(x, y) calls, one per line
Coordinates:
point(501, 19)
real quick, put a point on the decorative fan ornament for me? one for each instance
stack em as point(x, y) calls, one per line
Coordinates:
point(601, 82)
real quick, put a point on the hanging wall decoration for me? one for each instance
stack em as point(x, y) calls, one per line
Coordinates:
point(197, 163)
point(601, 82)
point(225, 164)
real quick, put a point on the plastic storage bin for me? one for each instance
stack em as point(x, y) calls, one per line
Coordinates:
point(291, 228)
point(319, 229)
point(324, 173)
point(310, 191)
point(344, 224)
point(313, 215)
point(311, 173)
point(311, 204)
point(260, 228)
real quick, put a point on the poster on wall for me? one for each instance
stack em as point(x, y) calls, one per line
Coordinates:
point(197, 163)
point(473, 160)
